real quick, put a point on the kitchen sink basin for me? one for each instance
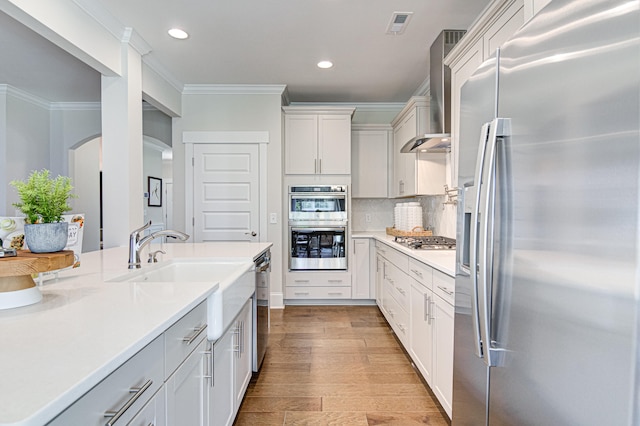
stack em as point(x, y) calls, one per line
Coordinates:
point(235, 279)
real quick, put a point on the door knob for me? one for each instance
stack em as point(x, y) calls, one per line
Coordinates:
point(252, 233)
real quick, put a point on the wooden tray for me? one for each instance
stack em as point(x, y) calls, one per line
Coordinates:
point(418, 231)
point(15, 272)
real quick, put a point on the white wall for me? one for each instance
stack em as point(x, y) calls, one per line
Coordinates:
point(84, 170)
point(236, 112)
point(152, 166)
point(26, 144)
point(71, 125)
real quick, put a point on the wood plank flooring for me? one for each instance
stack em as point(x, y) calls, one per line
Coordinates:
point(336, 365)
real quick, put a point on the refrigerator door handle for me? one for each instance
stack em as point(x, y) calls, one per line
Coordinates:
point(478, 337)
point(498, 128)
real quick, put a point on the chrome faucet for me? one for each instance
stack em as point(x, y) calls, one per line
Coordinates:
point(136, 244)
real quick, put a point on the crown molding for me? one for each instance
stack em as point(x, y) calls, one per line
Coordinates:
point(234, 89)
point(152, 63)
point(6, 89)
point(363, 106)
point(75, 106)
point(424, 89)
point(131, 37)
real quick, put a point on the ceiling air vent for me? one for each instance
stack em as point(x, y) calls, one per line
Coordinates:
point(398, 22)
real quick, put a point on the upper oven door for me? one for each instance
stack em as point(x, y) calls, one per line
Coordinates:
point(317, 207)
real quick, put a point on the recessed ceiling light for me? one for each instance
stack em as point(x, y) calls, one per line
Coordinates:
point(178, 33)
point(325, 64)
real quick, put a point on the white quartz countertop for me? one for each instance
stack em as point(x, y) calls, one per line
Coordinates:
point(442, 260)
point(54, 351)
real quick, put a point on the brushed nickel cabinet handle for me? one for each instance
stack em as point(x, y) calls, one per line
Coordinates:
point(446, 290)
point(196, 331)
point(137, 393)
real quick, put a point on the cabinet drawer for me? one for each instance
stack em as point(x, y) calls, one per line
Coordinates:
point(152, 413)
point(182, 337)
point(444, 286)
point(311, 292)
point(144, 370)
point(421, 272)
point(398, 318)
point(400, 283)
point(393, 256)
point(319, 279)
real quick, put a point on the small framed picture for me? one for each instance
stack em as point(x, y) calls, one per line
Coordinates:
point(155, 192)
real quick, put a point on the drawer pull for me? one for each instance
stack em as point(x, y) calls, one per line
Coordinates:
point(401, 328)
point(335, 281)
point(418, 273)
point(196, 331)
point(401, 291)
point(300, 281)
point(335, 293)
point(446, 290)
point(137, 393)
point(301, 293)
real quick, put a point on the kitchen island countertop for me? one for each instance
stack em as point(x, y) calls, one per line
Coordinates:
point(85, 327)
point(442, 260)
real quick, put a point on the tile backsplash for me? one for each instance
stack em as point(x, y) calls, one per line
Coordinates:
point(437, 216)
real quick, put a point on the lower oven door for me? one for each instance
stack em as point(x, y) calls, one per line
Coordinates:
point(315, 248)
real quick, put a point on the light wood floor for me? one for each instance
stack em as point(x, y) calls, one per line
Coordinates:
point(336, 365)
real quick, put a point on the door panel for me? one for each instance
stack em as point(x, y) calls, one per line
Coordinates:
point(226, 192)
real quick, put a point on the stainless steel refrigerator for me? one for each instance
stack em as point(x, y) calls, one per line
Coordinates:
point(547, 279)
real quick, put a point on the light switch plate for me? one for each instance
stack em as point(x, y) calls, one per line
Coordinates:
point(273, 218)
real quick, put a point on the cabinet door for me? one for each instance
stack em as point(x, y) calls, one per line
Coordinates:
point(379, 279)
point(503, 28)
point(443, 354)
point(369, 163)
point(334, 144)
point(243, 354)
point(421, 327)
point(301, 144)
point(360, 289)
point(220, 400)
point(459, 75)
point(153, 413)
point(185, 390)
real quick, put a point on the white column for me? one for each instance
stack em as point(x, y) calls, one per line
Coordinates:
point(122, 180)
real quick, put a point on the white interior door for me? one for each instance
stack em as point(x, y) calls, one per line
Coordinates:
point(226, 192)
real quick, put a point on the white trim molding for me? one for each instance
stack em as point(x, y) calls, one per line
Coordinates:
point(234, 89)
point(225, 137)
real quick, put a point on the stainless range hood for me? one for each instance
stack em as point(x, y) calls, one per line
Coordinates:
point(440, 102)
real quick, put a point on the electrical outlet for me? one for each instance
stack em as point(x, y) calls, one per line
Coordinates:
point(367, 218)
point(273, 218)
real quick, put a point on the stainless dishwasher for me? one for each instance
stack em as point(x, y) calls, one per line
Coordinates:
point(262, 316)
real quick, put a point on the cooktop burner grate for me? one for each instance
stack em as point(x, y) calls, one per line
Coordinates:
point(428, 243)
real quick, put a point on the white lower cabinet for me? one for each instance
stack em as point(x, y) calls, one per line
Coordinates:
point(360, 288)
point(418, 301)
point(123, 393)
point(185, 389)
point(422, 325)
point(170, 381)
point(153, 413)
point(443, 352)
point(317, 285)
point(231, 370)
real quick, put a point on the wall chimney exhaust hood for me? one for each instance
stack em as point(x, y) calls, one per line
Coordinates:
point(440, 97)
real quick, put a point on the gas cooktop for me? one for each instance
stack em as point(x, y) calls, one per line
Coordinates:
point(427, 243)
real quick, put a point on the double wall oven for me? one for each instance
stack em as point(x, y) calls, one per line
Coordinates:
point(317, 227)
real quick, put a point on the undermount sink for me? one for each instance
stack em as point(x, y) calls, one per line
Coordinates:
point(235, 278)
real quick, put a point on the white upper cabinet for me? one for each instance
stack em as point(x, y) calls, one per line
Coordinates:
point(317, 141)
point(415, 173)
point(370, 161)
point(532, 7)
point(502, 18)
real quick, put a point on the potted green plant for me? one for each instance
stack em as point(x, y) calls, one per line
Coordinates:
point(44, 200)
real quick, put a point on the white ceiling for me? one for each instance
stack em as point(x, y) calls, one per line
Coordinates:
point(255, 42)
